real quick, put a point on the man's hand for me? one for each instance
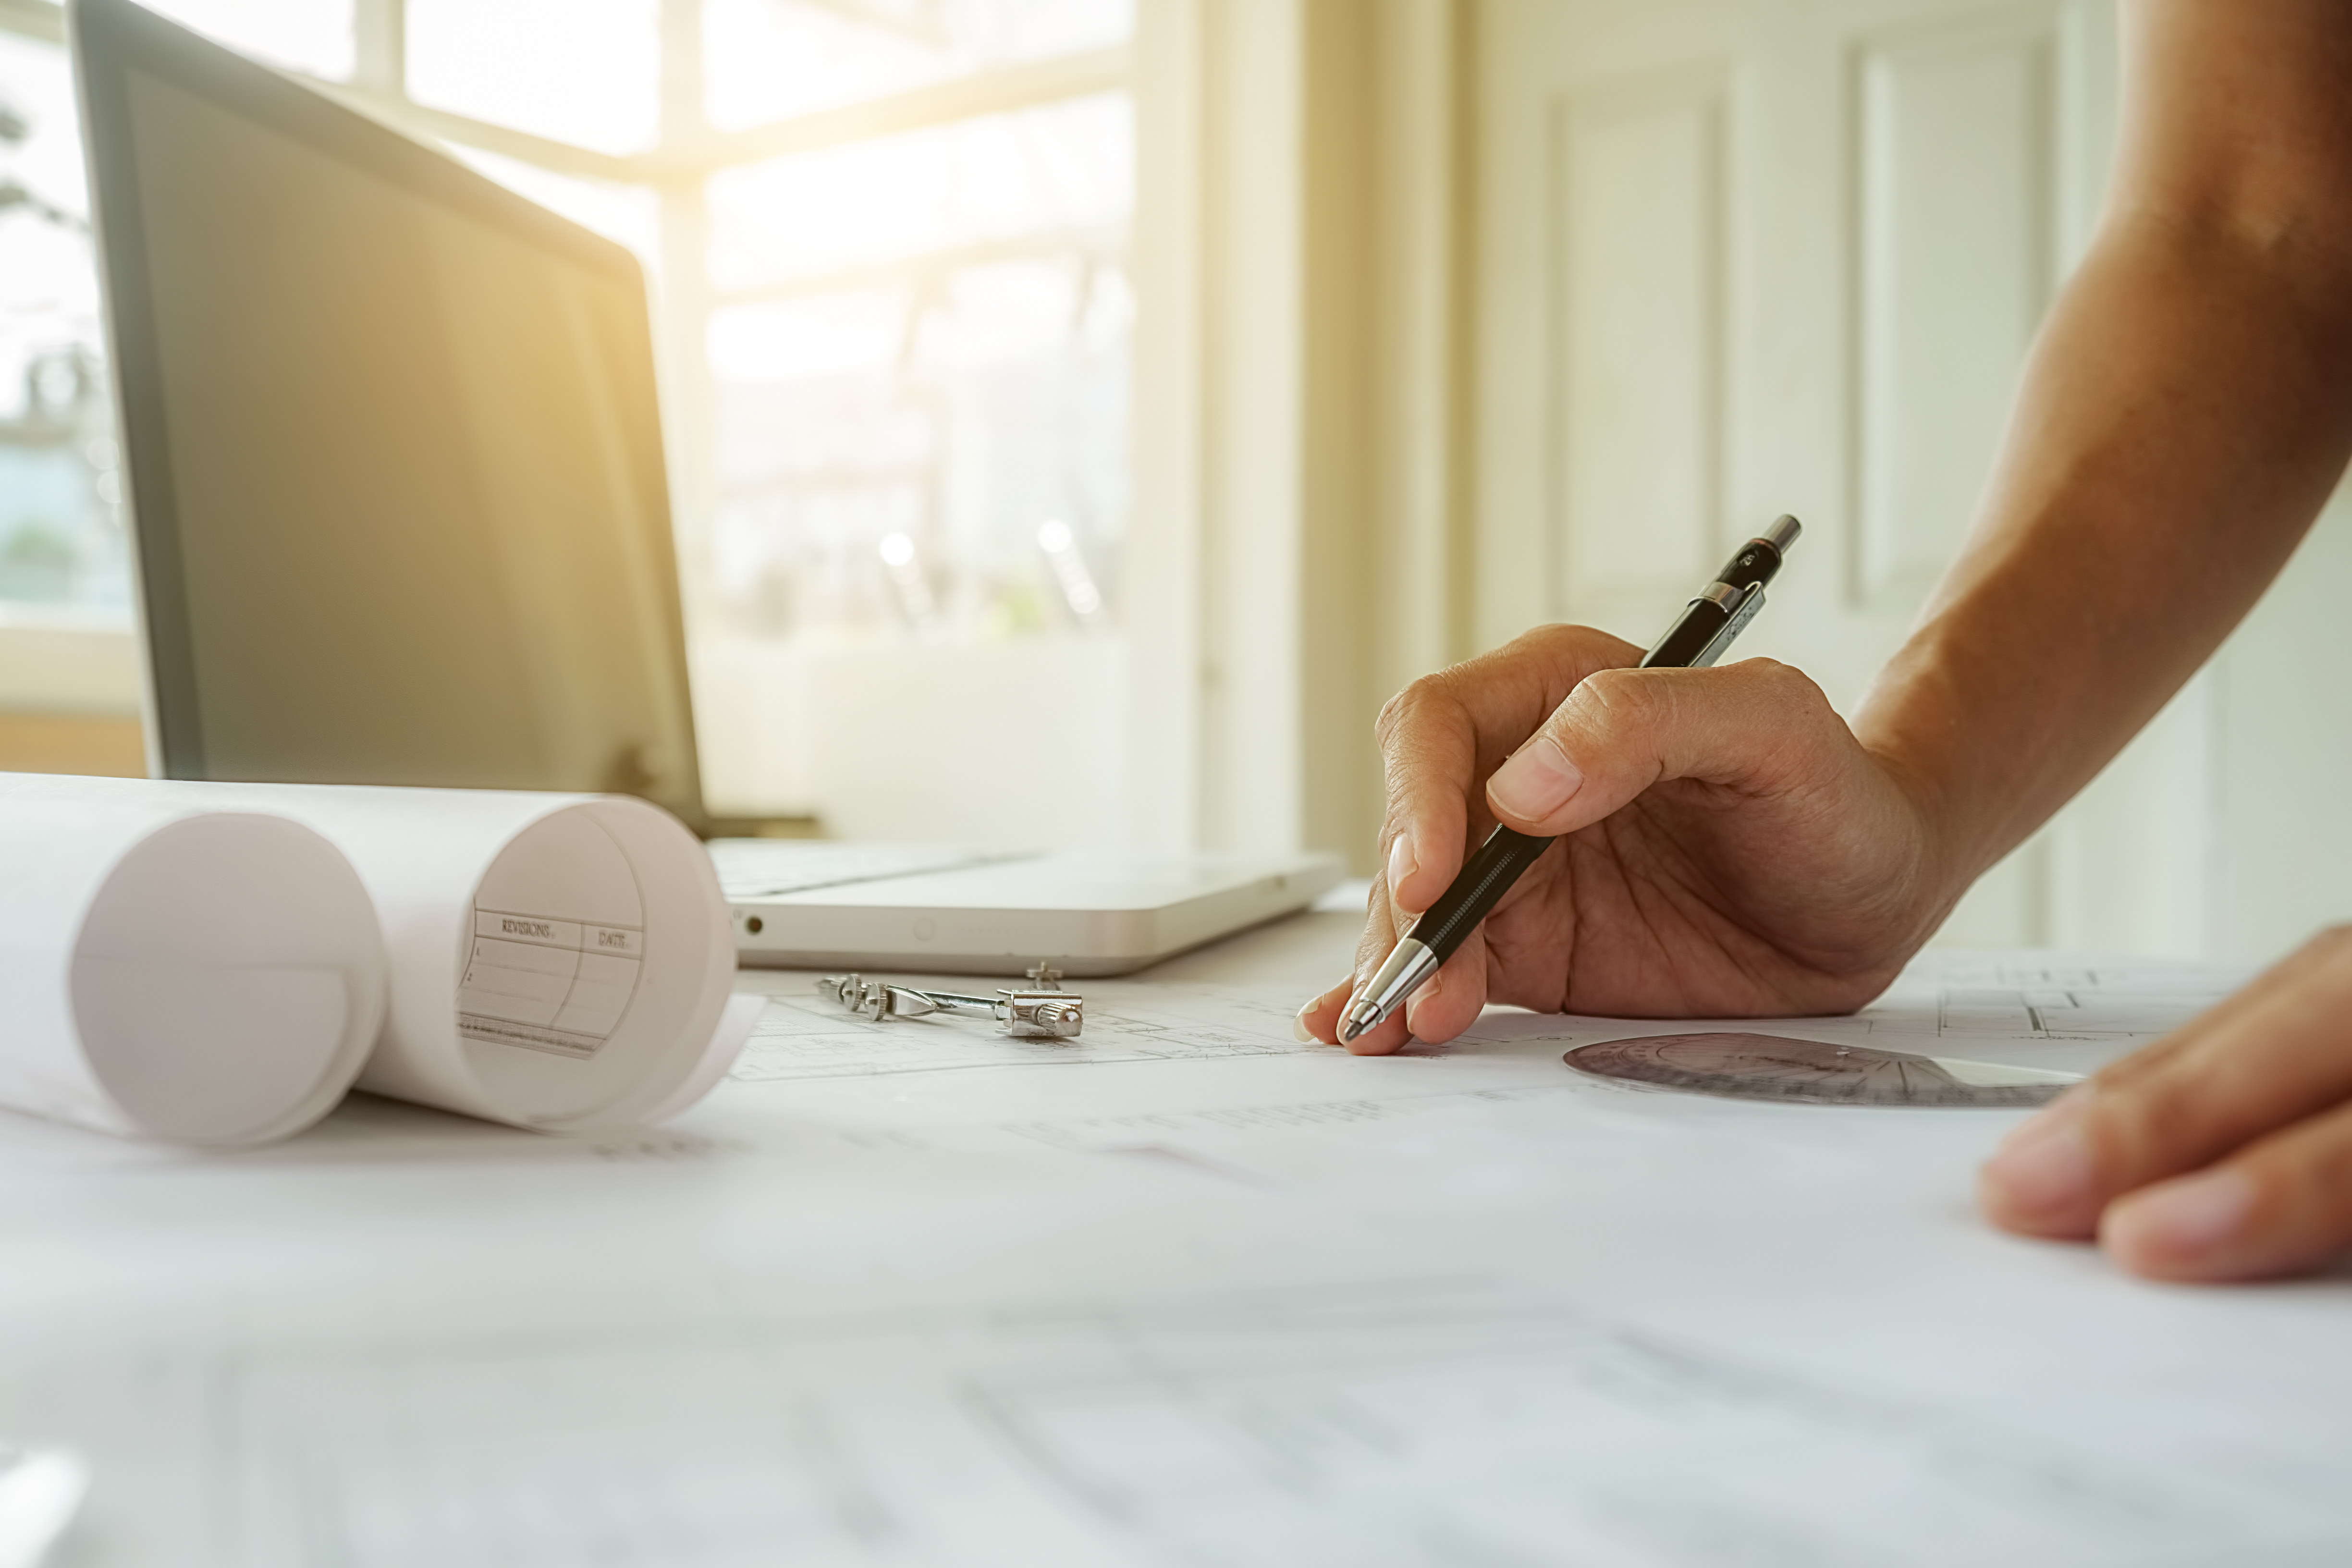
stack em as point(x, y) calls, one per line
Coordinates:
point(1730, 846)
point(2221, 1153)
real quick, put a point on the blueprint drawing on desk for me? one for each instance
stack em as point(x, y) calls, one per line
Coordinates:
point(1425, 1425)
point(2014, 1004)
point(1185, 1292)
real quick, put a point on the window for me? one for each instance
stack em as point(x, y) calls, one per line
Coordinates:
point(921, 401)
point(583, 72)
point(64, 555)
point(62, 548)
point(889, 239)
point(766, 60)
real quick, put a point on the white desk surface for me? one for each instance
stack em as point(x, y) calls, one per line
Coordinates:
point(1181, 1292)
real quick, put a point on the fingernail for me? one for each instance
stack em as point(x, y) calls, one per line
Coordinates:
point(1403, 862)
point(2045, 1165)
point(2058, 1113)
point(2185, 1217)
point(1298, 1030)
point(1536, 781)
point(1414, 1003)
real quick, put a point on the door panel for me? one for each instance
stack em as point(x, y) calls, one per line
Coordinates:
point(1954, 133)
point(1737, 258)
point(1638, 288)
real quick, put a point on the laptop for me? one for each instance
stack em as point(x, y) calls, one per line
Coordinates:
point(394, 458)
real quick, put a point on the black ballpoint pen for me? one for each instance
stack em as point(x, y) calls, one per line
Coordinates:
point(1696, 639)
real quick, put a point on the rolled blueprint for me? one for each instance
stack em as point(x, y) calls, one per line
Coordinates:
point(173, 970)
point(557, 961)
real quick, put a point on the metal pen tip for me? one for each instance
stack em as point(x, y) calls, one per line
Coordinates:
point(1359, 1018)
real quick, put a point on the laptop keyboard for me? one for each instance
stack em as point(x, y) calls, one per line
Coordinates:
point(758, 868)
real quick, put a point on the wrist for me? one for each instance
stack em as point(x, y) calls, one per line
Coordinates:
point(1911, 727)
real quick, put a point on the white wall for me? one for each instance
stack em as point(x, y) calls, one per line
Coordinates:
point(2278, 849)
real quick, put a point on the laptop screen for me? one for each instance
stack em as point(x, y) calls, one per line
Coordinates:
point(393, 441)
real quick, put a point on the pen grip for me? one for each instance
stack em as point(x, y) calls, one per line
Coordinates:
point(1688, 637)
point(1489, 875)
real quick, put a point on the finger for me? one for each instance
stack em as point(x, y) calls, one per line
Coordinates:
point(1382, 929)
point(1429, 756)
point(2032, 1182)
point(1440, 736)
point(2284, 1206)
point(1379, 937)
point(1403, 869)
point(1447, 1003)
point(1387, 1037)
point(1758, 725)
point(2273, 1054)
point(1454, 997)
point(1319, 1021)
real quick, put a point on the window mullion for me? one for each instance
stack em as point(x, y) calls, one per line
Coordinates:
point(684, 298)
point(380, 46)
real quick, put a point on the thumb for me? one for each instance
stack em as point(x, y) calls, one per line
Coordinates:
point(1759, 724)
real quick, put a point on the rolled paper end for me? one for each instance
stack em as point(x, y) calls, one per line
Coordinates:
point(226, 982)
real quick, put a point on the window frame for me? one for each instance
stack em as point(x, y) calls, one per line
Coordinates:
point(687, 152)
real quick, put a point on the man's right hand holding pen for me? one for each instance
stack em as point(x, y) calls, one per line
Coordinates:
point(1729, 847)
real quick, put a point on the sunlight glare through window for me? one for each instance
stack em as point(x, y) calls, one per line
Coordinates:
point(922, 342)
point(1061, 169)
point(584, 71)
point(770, 59)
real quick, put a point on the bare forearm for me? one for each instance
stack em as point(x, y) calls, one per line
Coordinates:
point(2184, 414)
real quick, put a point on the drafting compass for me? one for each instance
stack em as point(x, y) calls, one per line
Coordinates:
point(1047, 1013)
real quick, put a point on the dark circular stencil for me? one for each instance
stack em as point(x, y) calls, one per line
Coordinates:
point(1815, 1073)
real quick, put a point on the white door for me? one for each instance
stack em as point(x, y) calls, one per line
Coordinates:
point(1737, 258)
